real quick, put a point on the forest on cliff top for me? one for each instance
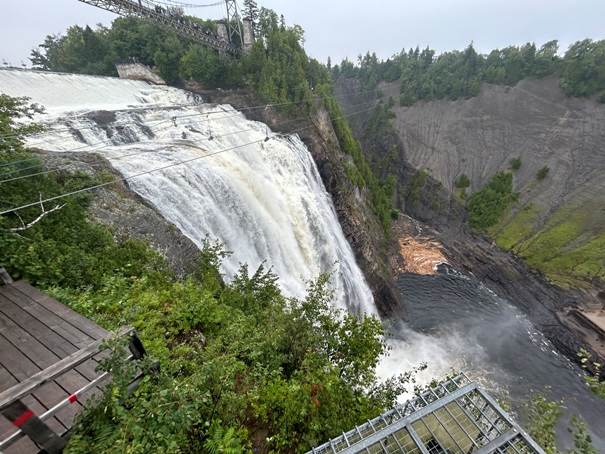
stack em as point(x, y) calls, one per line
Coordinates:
point(423, 75)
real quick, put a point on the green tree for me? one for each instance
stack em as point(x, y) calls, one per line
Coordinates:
point(487, 205)
point(584, 69)
point(268, 22)
point(12, 128)
point(546, 58)
point(462, 181)
point(46, 56)
point(251, 10)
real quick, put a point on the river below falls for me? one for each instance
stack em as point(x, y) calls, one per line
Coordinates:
point(456, 322)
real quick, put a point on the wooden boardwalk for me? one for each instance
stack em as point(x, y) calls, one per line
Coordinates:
point(35, 333)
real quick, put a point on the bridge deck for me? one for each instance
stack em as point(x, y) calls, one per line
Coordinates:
point(36, 332)
point(145, 9)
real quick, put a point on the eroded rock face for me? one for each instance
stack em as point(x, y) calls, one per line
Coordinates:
point(128, 216)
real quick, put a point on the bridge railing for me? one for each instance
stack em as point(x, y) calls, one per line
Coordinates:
point(147, 10)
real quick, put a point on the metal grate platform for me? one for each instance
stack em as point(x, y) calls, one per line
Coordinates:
point(454, 417)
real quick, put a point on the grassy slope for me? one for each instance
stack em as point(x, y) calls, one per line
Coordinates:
point(569, 247)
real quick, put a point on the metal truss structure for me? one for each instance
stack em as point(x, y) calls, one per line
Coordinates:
point(234, 22)
point(149, 11)
point(454, 417)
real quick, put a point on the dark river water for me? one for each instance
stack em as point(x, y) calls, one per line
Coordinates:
point(456, 322)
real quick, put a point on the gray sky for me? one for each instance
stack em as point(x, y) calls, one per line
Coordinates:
point(339, 28)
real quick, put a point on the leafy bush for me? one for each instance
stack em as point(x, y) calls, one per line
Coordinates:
point(542, 173)
point(240, 357)
point(543, 416)
point(515, 163)
point(489, 203)
point(462, 181)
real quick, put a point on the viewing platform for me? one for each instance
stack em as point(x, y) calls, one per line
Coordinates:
point(48, 360)
point(453, 417)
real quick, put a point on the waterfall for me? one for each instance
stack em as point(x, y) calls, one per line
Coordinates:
point(208, 170)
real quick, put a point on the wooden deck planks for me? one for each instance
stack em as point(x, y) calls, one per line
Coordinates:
point(35, 333)
point(21, 367)
point(59, 318)
point(59, 309)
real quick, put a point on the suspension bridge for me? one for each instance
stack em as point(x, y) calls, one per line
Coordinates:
point(170, 15)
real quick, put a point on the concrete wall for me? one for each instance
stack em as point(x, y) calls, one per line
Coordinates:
point(221, 30)
point(248, 34)
point(138, 71)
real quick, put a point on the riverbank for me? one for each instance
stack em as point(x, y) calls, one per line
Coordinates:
point(568, 319)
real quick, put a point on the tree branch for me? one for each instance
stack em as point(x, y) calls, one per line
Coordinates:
point(25, 226)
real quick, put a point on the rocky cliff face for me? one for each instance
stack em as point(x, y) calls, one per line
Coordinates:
point(557, 223)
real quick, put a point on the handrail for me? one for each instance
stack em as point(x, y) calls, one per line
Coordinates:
point(34, 382)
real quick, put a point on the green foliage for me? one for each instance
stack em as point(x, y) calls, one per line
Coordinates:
point(251, 12)
point(489, 203)
point(584, 69)
point(424, 76)
point(13, 112)
point(462, 182)
point(593, 377)
point(379, 122)
point(515, 163)
point(87, 51)
point(223, 440)
point(414, 186)
point(278, 69)
point(542, 173)
point(543, 416)
point(582, 441)
point(235, 360)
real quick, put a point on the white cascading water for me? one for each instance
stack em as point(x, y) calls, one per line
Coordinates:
point(208, 170)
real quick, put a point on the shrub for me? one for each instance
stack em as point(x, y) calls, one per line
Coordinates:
point(542, 173)
point(462, 181)
point(487, 205)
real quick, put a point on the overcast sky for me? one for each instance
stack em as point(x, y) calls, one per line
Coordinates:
point(347, 28)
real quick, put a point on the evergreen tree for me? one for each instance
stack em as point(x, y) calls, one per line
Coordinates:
point(251, 10)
